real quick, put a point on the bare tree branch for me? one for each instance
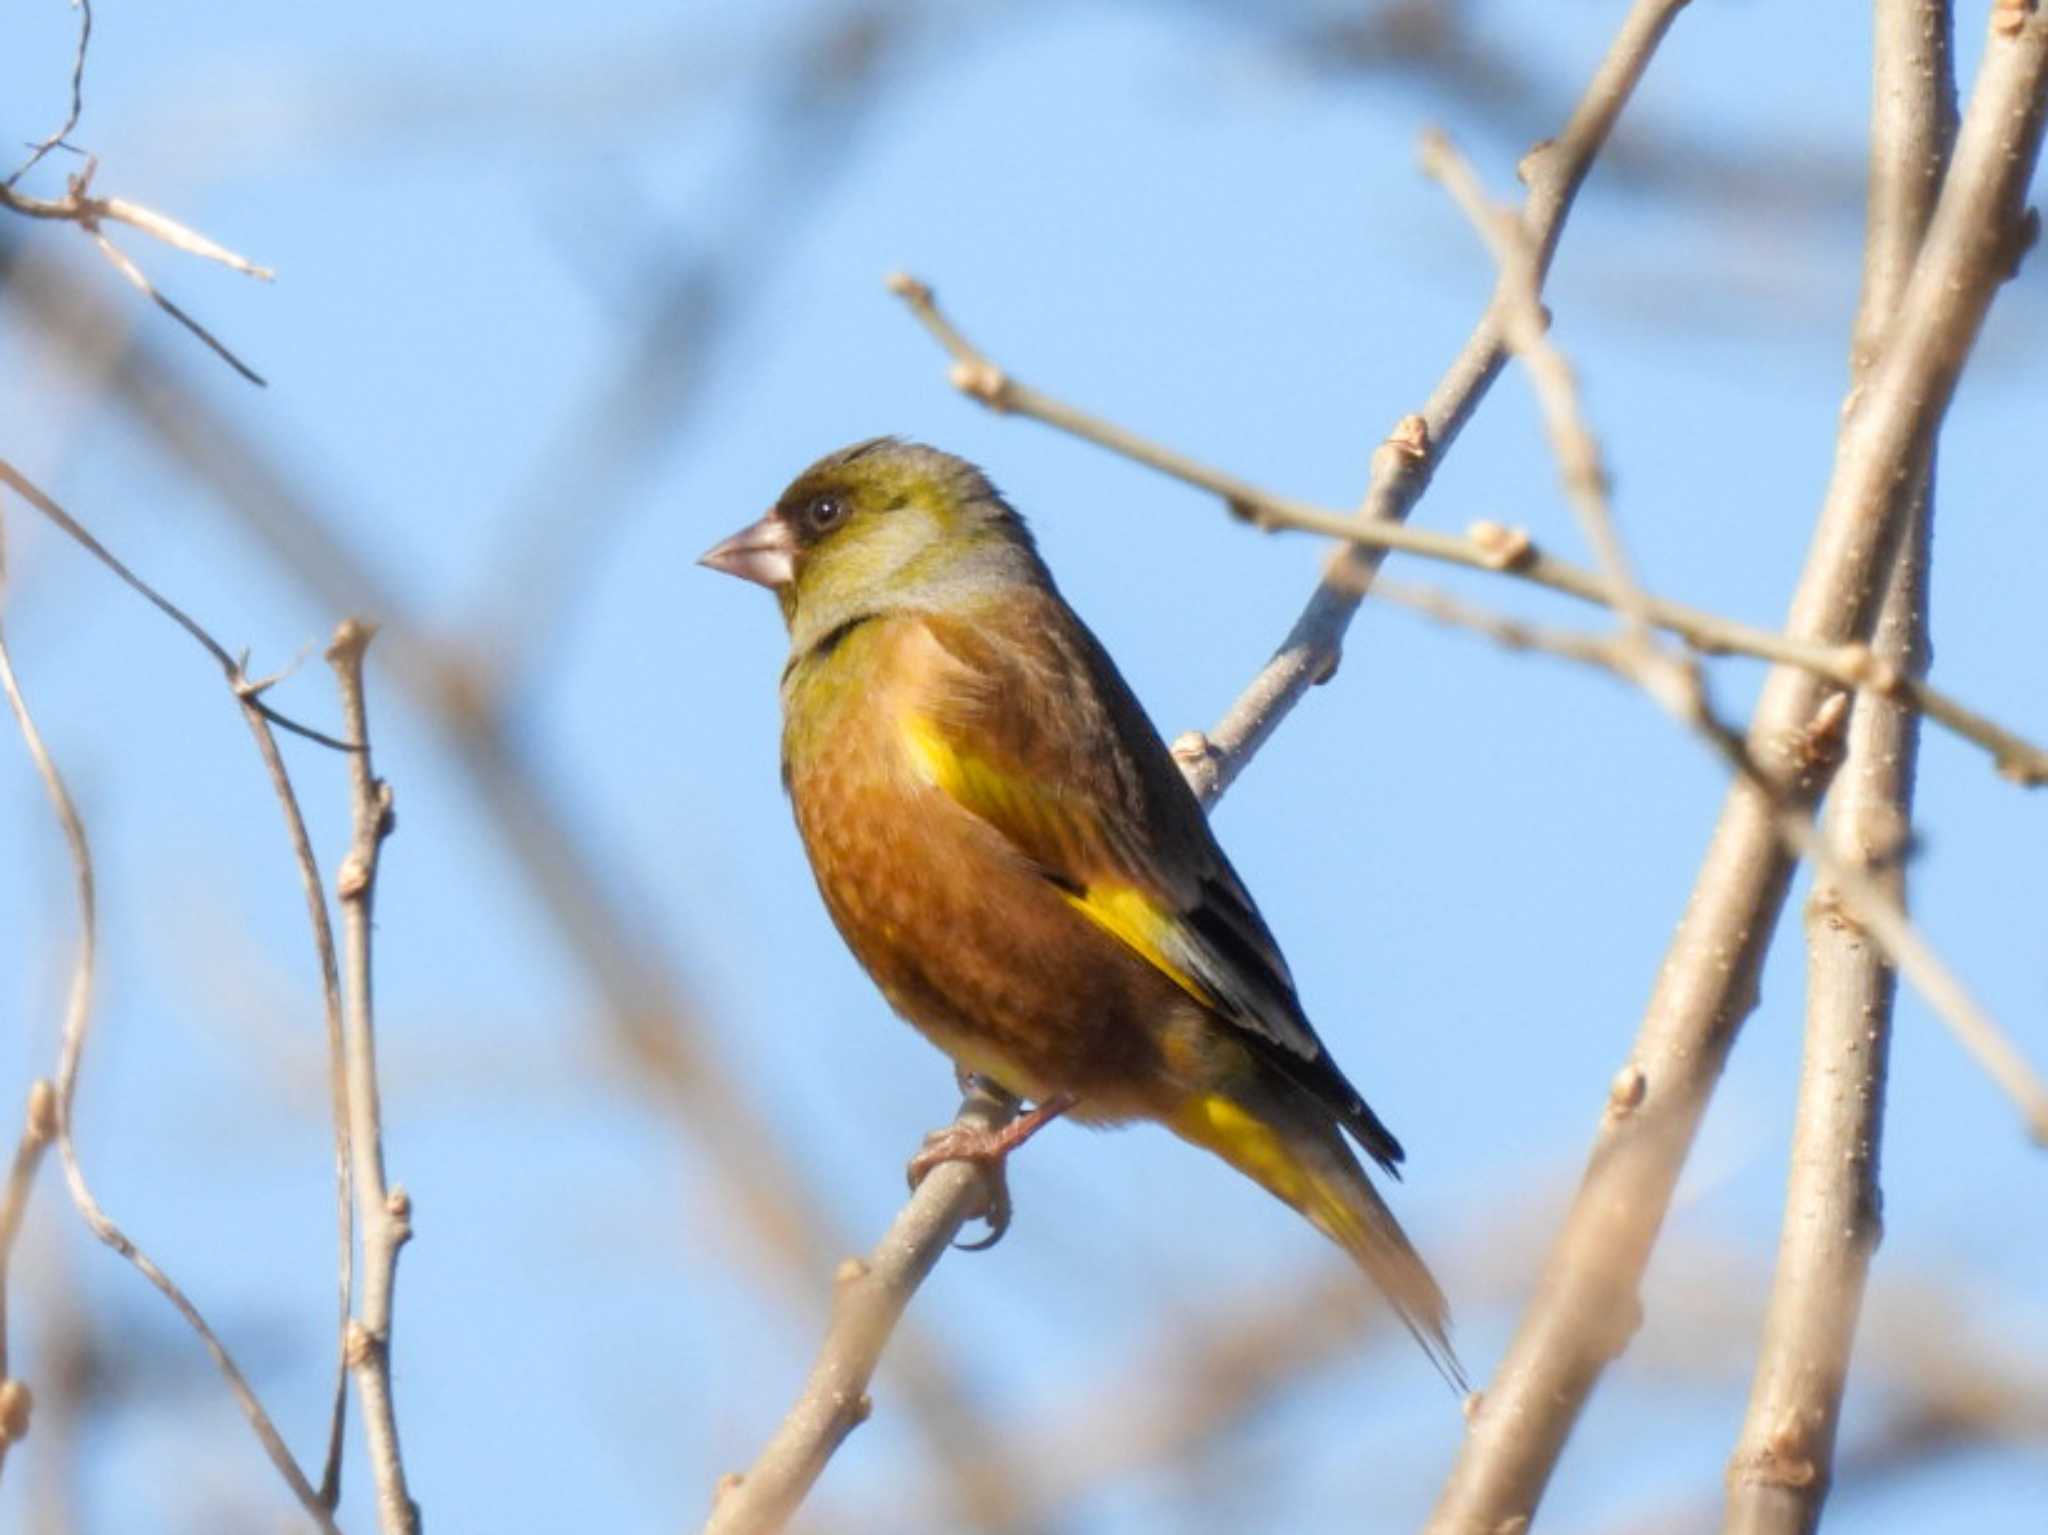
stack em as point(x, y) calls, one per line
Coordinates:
point(1582, 1315)
point(1782, 1467)
point(385, 1213)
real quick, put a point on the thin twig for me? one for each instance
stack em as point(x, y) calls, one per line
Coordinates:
point(231, 667)
point(149, 290)
point(1582, 1314)
point(1405, 463)
point(868, 1300)
point(259, 717)
point(1486, 546)
point(44, 145)
point(38, 1130)
point(1783, 1463)
point(385, 1214)
point(78, 206)
point(331, 1013)
point(77, 1017)
point(1572, 443)
point(1526, 330)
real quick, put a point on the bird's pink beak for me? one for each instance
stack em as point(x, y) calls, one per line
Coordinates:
point(764, 553)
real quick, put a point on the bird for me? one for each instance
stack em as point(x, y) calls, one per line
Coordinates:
point(1009, 849)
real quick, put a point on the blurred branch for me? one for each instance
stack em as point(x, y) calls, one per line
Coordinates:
point(71, 1385)
point(78, 1011)
point(1491, 84)
point(1933, 1386)
point(1485, 546)
point(39, 1128)
point(385, 1213)
point(1207, 1372)
point(1782, 1466)
point(1583, 1314)
point(680, 307)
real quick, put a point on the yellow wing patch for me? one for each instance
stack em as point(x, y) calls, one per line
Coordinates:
point(1131, 916)
point(985, 790)
point(1016, 807)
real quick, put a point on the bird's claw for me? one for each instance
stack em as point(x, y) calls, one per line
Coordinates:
point(986, 1150)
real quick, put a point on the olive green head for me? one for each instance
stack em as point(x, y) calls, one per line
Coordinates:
point(882, 525)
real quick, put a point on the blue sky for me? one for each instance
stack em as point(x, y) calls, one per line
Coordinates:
point(1472, 859)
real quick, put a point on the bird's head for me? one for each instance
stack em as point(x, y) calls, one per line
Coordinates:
point(882, 525)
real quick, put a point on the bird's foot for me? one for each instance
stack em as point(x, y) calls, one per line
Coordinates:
point(988, 1150)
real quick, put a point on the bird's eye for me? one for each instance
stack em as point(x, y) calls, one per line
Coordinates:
point(825, 513)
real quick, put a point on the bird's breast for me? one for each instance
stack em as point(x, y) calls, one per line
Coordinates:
point(966, 938)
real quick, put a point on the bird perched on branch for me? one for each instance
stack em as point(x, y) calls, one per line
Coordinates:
point(1009, 849)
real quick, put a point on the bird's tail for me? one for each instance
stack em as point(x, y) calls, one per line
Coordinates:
point(1272, 1138)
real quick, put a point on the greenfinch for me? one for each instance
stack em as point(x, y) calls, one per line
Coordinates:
point(1008, 848)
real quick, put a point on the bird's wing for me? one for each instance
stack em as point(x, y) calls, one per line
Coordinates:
point(1032, 729)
